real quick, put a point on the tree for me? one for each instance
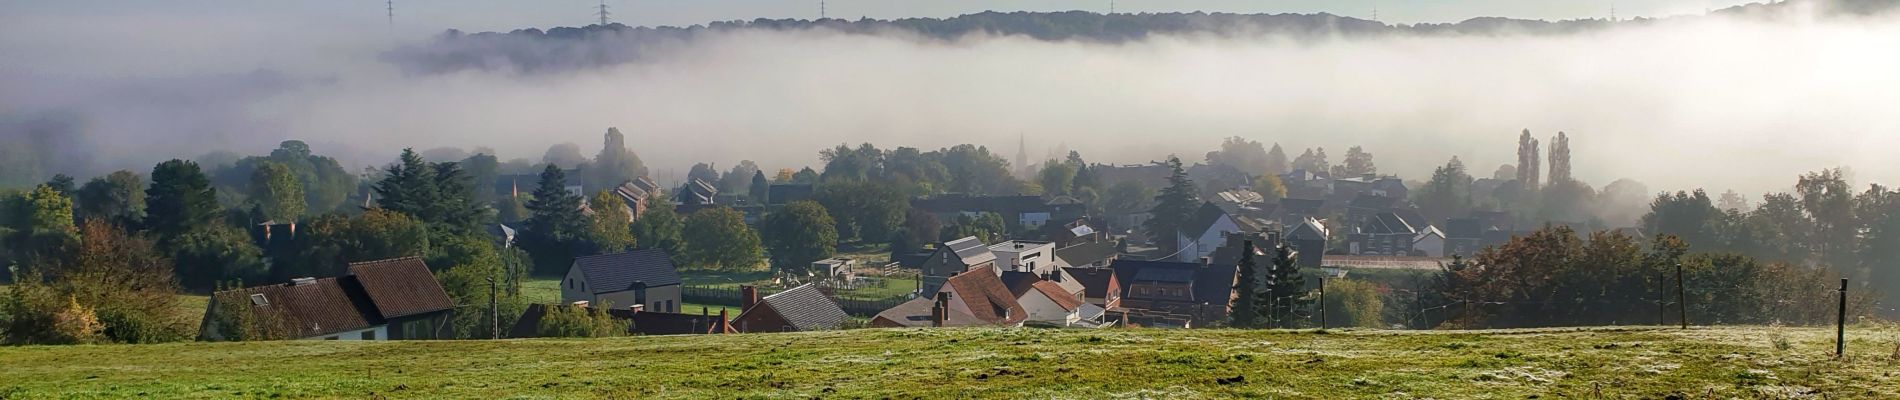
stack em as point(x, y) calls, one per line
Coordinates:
point(760, 188)
point(115, 287)
point(739, 179)
point(799, 234)
point(863, 210)
point(718, 238)
point(455, 208)
point(1248, 291)
point(1448, 194)
point(1286, 289)
point(974, 170)
point(1732, 201)
point(275, 190)
point(579, 322)
point(610, 229)
point(118, 198)
point(1358, 162)
point(61, 183)
point(784, 175)
point(1560, 159)
point(615, 164)
point(408, 186)
point(1353, 303)
point(1174, 206)
point(565, 155)
point(1127, 197)
point(1245, 155)
point(805, 176)
point(1687, 215)
point(844, 162)
point(659, 227)
point(179, 200)
point(483, 169)
point(920, 227)
point(1270, 187)
point(1057, 178)
point(1276, 160)
point(1830, 205)
point(1313, 161)
point(986, 227)
point(467, 266)
point(704, 172)
point(326, 245)
point(218, 254)
point(1528, 162)
point(555, 224)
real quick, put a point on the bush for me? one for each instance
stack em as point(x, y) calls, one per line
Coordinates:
point(1352, 303)
point(575, 321)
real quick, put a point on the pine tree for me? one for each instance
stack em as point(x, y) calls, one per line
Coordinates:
point(408, 186)
point(1246, 312)
point(1173, 206)
point(180, 199)
point(1286, 289)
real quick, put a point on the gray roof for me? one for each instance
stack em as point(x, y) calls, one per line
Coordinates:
point(1086, 253)
point(1389, 223)
point(617, 272)
point(806, 309)
point(1203, 219)
point(970, 250)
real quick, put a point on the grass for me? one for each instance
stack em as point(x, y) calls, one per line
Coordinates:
point(1730, 362)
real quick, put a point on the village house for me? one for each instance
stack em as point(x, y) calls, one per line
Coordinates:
point(634, 194)
point(393, 299)
point(799, 309)
point(1050, 304)
point(952, 258)
point(1385, 234)
point(1206, 230)
point(1202, 292)
point(1293, 211)
point(1309, 238)
point(1463, 237)
point(972, 298)
point(644, 277)
point(1429, 242)
point(638, 321)
point(1099, 286)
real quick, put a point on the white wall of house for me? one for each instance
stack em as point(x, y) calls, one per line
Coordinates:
point(1042, 309)
point(1432, 245)
point(573, 286)
point(379, 332)
point(1192, 249)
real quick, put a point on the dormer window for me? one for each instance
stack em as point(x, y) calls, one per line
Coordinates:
point(259, 300)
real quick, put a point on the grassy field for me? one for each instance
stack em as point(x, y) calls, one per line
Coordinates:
point(994, 363)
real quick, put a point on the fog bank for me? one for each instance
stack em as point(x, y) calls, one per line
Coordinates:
point(1715, 102)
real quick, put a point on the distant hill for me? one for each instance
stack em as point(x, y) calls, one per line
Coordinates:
point(571, 48)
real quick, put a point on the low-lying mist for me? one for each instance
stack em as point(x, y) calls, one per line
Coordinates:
point(1716, 102)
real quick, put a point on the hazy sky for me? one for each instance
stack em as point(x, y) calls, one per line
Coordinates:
point(1712, 103)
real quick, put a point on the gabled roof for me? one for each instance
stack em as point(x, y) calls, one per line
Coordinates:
point(1055, 293)
point(916, 313)
point(986, 297)
point(608, 273)
point(1373, 201)
point(1203, 219)
point(1309, 228)
point(1429, 231)
point(401, 287)
point(804, 307)
point(968, 249)
point(1301, 206)
point(314, 308)
point(1086, 253)
point(636, 190)
point(1094, 280)
point(1213, 283)
point(1388, 224)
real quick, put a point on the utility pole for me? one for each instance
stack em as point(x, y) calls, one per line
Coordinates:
point(1682, 305)
point(494, 315)
point(390, 7)
point(821, 9)
point(1111, 7)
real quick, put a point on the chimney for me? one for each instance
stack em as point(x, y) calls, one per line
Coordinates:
point(635, 309)
point(748, 296)
point(939, 310)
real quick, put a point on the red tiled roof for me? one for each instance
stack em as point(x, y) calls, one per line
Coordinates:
point(401, 287)
point(987, 298)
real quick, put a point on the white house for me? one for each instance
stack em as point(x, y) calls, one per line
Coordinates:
point(1431, 241)
point(1050, 304)
point(646, 277)
point(1208, 230)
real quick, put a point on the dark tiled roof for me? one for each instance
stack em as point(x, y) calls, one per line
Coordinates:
point(1203, 219)
point(1464, 228)
point(321, 307)
point(608, 273)
point(1412, 216)
point(1387, 224)
point(805, 308)
point(1308, 229)
point(1086, 253)
point(913, 260)
point(1019, 282)
point(401, 287)
point(986, 297)
point(1094, 280)
point(1211, 284)
point(1307, 207)
point(1183, 274)
point(1215, 284)
point(1373, 201)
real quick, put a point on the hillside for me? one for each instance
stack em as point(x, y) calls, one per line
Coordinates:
point(993, 363)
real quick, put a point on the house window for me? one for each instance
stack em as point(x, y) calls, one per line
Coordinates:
point(570, 283)
point(330, 338)
point(369, 335)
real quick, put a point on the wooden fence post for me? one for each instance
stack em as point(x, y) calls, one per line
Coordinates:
point(1840, 324)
